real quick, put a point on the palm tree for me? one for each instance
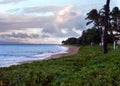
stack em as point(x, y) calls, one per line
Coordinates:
point(105, 46)
point(102, 20)
point(93, 17)
point(115, 16)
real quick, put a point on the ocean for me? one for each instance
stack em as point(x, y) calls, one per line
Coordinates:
point(13, 54)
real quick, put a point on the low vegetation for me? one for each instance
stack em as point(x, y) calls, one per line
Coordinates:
point(87, 68)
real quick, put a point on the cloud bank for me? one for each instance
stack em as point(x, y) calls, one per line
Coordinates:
point(66, 22)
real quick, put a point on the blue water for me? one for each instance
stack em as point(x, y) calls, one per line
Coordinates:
point(15, 54)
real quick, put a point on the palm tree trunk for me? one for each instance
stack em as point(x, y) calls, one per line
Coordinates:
point(105, 46)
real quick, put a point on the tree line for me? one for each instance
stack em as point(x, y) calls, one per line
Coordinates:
point(94, 34)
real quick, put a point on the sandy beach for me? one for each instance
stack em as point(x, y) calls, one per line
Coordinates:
point(71, 51)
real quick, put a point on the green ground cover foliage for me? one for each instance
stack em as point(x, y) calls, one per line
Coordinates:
point(87, 68)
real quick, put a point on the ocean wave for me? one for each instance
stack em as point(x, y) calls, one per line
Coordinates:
point(8, 59)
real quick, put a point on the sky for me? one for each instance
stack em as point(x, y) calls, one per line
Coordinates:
point(45, 21)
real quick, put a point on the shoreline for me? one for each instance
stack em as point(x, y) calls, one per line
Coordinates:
point(70, 51)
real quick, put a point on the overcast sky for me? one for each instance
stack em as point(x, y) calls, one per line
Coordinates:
point(44, 21)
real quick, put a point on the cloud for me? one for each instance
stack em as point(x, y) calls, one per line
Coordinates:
point(28, 38)
point(19, 35)
point(79, 32)
point(16, 22)
point(64, 31)
point(14, 10)
point(31, 28)
point(67, 13)
point(38, 9)
point(69, 17)
point(10, 1)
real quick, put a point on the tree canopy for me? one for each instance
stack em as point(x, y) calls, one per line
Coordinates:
point(93, 34)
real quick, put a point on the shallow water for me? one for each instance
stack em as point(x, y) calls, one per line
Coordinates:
point(14, 54)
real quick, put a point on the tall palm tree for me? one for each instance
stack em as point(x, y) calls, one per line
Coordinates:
point(115, 17)
point(102, 13)
point(93, 17)
point(105, 46)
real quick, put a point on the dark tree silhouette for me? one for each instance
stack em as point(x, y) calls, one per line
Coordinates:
point(93, 17)
point(105, 46)
point(70, 41)
point(115, 17)
point(89, 36)
point(103, 18)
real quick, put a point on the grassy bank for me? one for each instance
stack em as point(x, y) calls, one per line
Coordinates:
point(88, 68)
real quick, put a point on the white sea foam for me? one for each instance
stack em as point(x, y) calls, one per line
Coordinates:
point(15, 54)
